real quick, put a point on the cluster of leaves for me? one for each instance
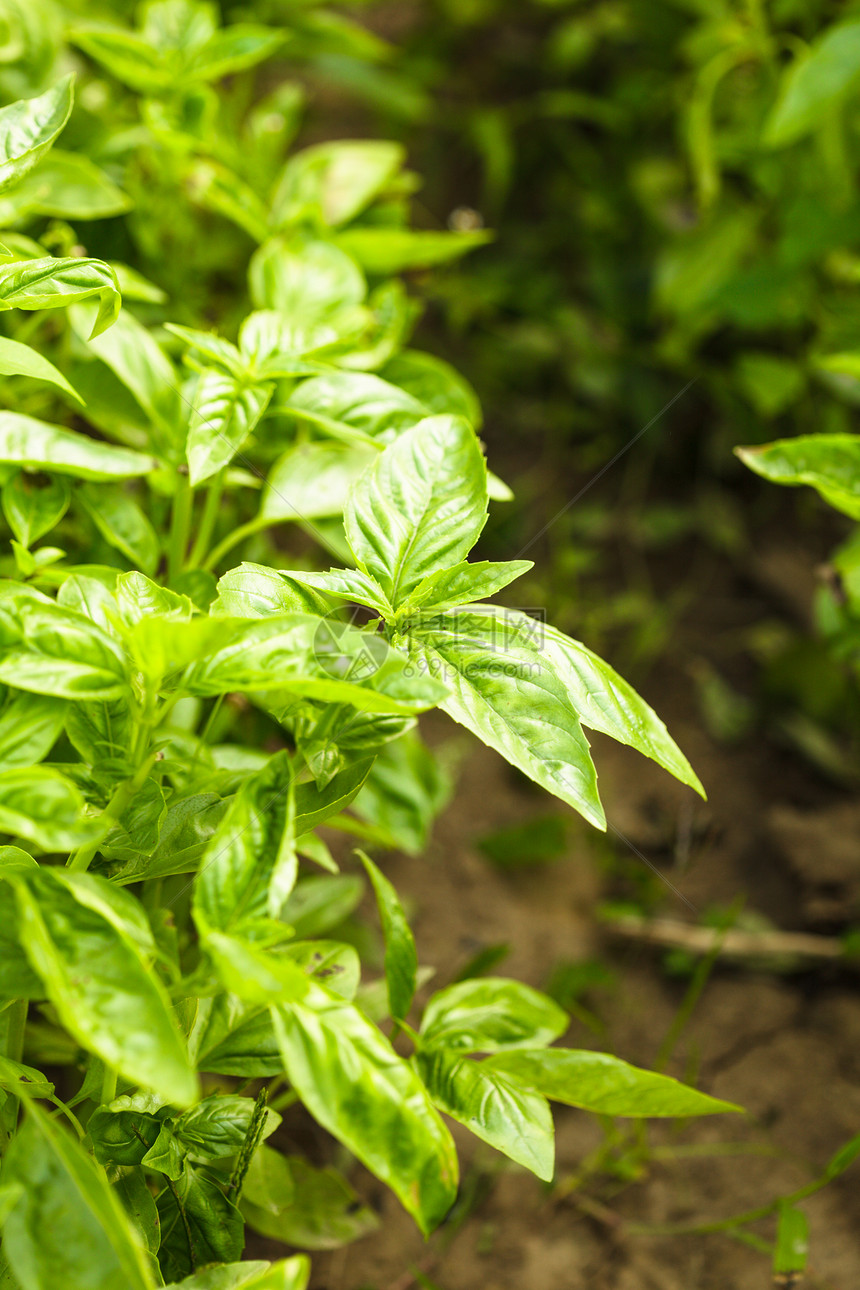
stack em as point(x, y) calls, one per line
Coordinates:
point(164, 945)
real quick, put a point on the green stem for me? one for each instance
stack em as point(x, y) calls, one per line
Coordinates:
point(108, 1086)
point(211, 508)
point(232, 539)
point(180, 527)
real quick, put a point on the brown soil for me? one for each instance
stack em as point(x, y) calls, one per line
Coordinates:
point(786, 1047)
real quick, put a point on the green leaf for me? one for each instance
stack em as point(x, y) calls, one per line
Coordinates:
point(126, 54)
point(131, 352)
point(604, 1084)
point(238, 1038)
point(54, 283)
point(199, 1225)
point(23, 1080)
point(318, 659)
point(68, 185)
point(207, 345)
point(67, 1216)
point(350, 404)
point(401, 957)
point(514, 1120)
point(219, 1125)
point(816, 84)
point(319, 903)
point(435, 383)
point(123, 1131)
point(829, 463)
point(792, 1242)
point(286, 1274)
point(217, 188)
point(314, 805)
point(49, 649)
point(139, 1204)
point(35, 445)
point(97, 976)
point(288, 1200)
point(311, 282)
point(29, 127)
point(33, 505)
point(22, 360)
point(465, 583)
point(40, 804)
point(346, 584)
point(250, 865)
point(232, 50)
point(420, 506)
point(490, 1013)
point(604, 701)
point(224, 414)
point(255, 591)
point(393, 250)
point(312, 480)
point(334, 182)
point(503, 690)
point(351, 1080)
point(123, 525)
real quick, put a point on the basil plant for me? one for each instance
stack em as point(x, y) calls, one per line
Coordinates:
point(179, 737)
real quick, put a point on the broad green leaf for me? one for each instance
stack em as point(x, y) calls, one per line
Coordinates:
point(23, 360)
point(67, 185)
point(224, 414)
point(314, 805)
point(17, 980)
point(321, 902)
point(319, 659)
point(40, 804)
point(334, 181)
point(101, 731)
point(815, 84)
point(255, 591)
point(139, 1204)
point(420, 506)
point(829, 463)
point(287, 1274)
point(124, 525)
point(135, 357)
point(335, 964)
point(346, 584)
point(219, 1125)
point(355, 1085)
point(67, 1216)
point(314, 1209)
point(604, 701)
point(604, 1084)
point(312, 480)
point(216, 187)
point(358, 403)
point(311, 283)
point(465, 583)
point(126, 55)
point(123, 1131)
point(257, 975)
point(250, 865)
point(514, 1120)
point(232, 50)
point(434, 383)
point(401, 957)
point(99, 980)
point(199, 1225)
point(35, 445)
point(205, 345)
point(54, 283)
point(34, 504)
point(238, 1039)
point(483, 1015)
point(51, 650)
point(29, 127)
point(504, 691)
point(392, 250)
point(21, 1080)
